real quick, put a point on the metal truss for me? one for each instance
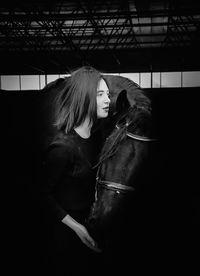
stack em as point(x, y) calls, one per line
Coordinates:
point(81, 27)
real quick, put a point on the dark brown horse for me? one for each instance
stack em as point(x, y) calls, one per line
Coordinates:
point(126, 179)
point(125, 156)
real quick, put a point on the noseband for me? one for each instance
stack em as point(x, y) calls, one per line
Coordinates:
point(117, 187)
point(137, 137)
point(114, 186)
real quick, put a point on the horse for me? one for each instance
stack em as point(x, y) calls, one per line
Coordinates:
point(125, 149)
point(126, 175)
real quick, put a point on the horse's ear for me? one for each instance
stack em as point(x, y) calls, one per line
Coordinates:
point(122, 103)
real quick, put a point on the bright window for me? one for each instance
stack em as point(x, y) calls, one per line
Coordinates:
point(191, 79)
point(159, 80)
point(42, 81)
point(10, 82)
point(30, 82)
point(145, 80)
point(52, 78)
point(132, 76)
point(171, 79)
point(156, 80)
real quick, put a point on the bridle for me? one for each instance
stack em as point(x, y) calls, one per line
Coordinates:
point(137, 137)
point(114, 186)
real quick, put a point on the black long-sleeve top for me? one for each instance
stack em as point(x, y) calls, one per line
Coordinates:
point(69, 174)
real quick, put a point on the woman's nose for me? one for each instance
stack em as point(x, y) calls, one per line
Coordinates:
point(107, 99)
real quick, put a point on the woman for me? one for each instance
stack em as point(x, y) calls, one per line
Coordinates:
point(69, 173)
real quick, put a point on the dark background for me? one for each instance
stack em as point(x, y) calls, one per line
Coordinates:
point(25, 49)
point(23, 133)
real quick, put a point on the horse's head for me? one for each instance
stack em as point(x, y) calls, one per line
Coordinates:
point(121, 165)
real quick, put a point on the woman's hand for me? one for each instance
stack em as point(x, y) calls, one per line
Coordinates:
point(82, 232)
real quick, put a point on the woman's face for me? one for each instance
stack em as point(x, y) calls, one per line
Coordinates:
point(103, 99)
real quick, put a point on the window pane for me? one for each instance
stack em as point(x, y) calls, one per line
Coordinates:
point(156, 80)
point(145, 80)
point(132, 76)
point(42, 81)
point(64, 75)
point(52, 78)
point(112, 74)
point(191, 79)
point(171, 79)
point(29, 82)
point(10, 82)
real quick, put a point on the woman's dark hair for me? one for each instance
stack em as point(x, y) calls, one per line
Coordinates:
point(77, 99)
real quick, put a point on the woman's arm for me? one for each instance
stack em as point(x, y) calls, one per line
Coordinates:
point(81, 231)
point(57, 162)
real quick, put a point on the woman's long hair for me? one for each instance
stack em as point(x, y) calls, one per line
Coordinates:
point(77, 99)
